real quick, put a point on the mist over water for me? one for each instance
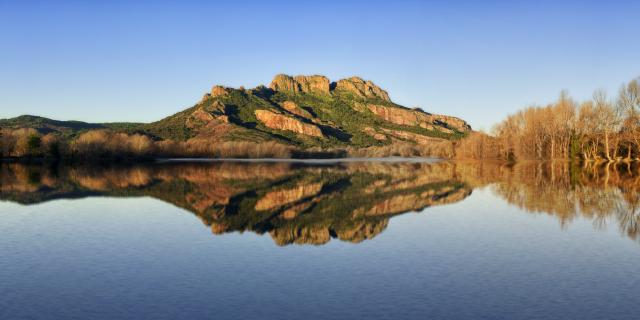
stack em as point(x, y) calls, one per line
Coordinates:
point(317, 240)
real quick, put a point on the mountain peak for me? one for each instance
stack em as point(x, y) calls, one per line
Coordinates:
point(300, 83)
point(320, 84)
point(362, 88)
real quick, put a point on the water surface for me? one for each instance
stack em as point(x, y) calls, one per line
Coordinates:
point(275, 240)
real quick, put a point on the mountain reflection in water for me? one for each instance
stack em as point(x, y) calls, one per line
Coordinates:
point(312, 203)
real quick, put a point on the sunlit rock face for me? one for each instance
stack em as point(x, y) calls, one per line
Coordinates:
point(409, 117)
point(204, 115)
point(293, 108)
point(282, 122)
point(313, 204)
point(300, 84)
point(320, 85)
point(362, 88)
point(218, 91)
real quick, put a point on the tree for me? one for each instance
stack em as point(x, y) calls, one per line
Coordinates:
point(27, 142)
point(608, 120)
point(629, 97)
point(629, 105)
point(595, 130)
point(33, 145)
point(7, 143)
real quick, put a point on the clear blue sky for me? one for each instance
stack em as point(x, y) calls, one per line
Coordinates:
point(120, 61)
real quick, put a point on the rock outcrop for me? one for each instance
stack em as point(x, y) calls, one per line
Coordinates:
point(218, 91)
point(362, 88)
point(410, 136)
point(198, 117)
point(408, 117)
point(297, 84)
point(452, 122)
point(206, 114)
point(295, 109)
point(216, 108)
point(372, 132)
point(399, 116)
point(281, 122)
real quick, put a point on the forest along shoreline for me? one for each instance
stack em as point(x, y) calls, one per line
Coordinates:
point(602, 129)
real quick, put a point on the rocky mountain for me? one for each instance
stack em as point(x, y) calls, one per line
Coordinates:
point(308, 111)
point(301, 112)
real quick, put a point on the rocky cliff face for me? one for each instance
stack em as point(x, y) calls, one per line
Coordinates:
point(408, 117)
point(367, 89)
point(282, 122)
point(306, 84)
point(320, 84)
point(218, 91)
point(362, 88)
point(204, 115)
point(452, 122)
point(295, 109)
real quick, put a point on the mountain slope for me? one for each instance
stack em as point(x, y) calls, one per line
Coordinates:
point(296, 115)
point(307, 111)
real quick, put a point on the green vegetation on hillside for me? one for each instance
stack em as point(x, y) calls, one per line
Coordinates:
point(306, 115)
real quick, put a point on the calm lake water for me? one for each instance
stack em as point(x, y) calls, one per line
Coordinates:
point(374, 240)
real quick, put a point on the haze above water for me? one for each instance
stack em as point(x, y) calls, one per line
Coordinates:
point(374, 240)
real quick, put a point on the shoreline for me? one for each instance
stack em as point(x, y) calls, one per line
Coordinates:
point(394, 159)
point(312, 161)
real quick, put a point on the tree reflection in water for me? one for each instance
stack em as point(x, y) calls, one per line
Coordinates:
point(603, 193)
point(313, 203)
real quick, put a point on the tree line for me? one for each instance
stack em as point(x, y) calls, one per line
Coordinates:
point(105, 144)
point(109, 145)
point(599, 129)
